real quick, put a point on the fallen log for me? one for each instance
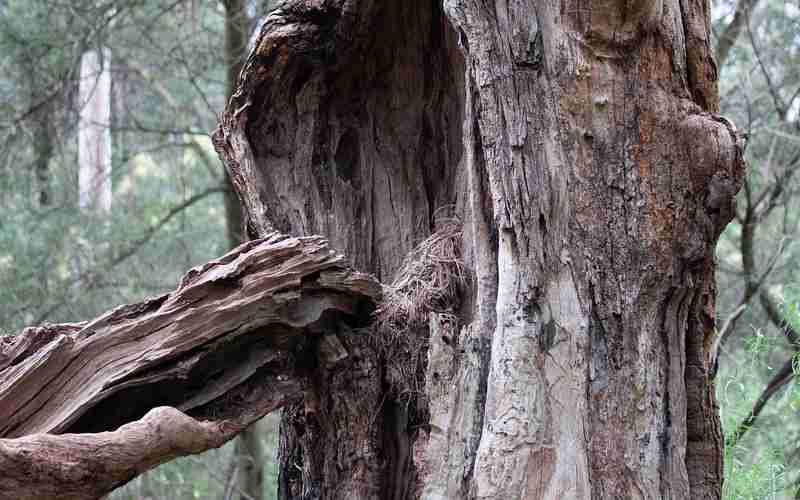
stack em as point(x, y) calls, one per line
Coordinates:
point(233, 342)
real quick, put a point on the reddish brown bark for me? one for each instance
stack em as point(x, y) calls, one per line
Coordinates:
point(578, 144)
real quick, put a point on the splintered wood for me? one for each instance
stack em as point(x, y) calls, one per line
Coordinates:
point(190, 368)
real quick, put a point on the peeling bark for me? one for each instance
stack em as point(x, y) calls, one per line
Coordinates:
point(577, 141)
point(235, 341)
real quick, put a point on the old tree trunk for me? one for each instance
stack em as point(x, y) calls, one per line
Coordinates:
point(539, 185)
point(575, 143)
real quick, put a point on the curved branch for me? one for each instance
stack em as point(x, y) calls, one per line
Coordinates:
point(780, 379)
point(229, 345)
point(778, 320)
point(732, 31)
point(87, 466)
point(780, 105)
point(152, 230)
point(751, 290)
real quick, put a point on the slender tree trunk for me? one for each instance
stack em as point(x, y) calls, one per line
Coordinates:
point(94, 134)
point(236, 29)
point(727, 39)
point(94, 153)
point(576, 144)
point(43, 145)
point(250, 455)
point(43, 105)
point(249, 451)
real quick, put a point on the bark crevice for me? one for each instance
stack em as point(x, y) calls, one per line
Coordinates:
point(350, 124)
point(579, 149)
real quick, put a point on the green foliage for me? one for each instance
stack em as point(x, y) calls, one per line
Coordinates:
point(64, 264)
point(759, 466)
point(61, 263)
point(761, 477)
point(758, 87)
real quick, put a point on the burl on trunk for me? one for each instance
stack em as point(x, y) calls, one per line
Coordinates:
point(541, 184)
point(576, 145)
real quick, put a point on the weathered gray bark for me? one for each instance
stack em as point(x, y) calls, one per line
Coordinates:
point(232, 343)
point(576, 141)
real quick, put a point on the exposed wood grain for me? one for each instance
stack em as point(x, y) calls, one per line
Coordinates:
point(577, 142)
point(229, 345)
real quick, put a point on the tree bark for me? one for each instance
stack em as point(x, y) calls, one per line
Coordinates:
point(578, 146)
point(87, 466)
point(235, 341)
point(237, 25)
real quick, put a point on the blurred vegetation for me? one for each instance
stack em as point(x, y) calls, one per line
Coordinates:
point(168, 83)
point(59, 263)
point(758, 466)
point(758, 254)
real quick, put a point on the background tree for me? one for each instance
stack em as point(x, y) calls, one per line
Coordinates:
point(249, 449)
point(757, 330)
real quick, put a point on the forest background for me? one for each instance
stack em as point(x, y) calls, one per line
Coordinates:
point(75, 242)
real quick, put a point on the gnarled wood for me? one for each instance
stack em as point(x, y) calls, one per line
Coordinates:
point(232, 343)
point(87, 466)
point(578, 143)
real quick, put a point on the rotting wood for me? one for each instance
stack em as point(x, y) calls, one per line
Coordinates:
point(230, 344)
